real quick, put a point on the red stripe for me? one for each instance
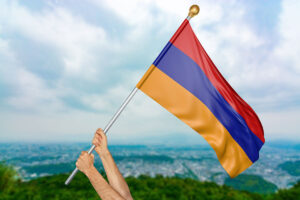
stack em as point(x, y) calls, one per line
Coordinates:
point(185, 40)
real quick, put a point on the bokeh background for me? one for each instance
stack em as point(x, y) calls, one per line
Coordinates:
point(67, 65)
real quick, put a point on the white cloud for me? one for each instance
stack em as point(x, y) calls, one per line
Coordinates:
point(107, 101)
point(289, 45)
point(30, 92)
point(71, 36)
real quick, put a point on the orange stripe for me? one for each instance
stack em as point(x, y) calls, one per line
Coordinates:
point(195, 114)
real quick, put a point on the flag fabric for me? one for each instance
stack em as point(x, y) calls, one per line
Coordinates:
point(184, 80)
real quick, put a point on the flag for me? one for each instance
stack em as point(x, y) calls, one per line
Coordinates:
point(185, 81)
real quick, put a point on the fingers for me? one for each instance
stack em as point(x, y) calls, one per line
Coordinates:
point(102, 134)
point(82, 155)
point(96, 141)
point(99, 137)
point(99, 130)
point(98, 134)
point(85, 161)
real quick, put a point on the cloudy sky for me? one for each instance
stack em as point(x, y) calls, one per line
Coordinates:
point(66, 66)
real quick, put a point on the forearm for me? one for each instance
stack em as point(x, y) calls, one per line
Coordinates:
point(114, 176)
point(104, 190)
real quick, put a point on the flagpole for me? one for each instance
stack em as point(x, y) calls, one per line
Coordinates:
point(193, 11)
point(107, 127)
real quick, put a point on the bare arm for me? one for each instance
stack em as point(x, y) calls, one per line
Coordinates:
point(114, 176)
point(85, 163)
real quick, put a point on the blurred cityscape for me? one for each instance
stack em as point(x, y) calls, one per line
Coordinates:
point(277, 164)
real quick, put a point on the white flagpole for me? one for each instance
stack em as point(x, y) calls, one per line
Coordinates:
point(107, 127)
point(194, 10)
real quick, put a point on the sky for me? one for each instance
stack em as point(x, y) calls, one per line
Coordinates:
point(66, 66)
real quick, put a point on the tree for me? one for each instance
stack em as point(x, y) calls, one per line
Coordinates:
point(8, 177)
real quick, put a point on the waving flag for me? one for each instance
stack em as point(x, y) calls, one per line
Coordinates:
point(184, 80)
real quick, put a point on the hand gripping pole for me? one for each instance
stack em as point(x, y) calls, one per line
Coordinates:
point(107, 127)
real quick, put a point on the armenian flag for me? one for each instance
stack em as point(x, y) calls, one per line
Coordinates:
point(185, 81)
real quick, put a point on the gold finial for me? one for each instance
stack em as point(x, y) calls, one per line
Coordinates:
point(194, 10)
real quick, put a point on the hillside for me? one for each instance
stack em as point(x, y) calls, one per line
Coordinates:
point(251, 183)
point(291, 167)
point(143, 187)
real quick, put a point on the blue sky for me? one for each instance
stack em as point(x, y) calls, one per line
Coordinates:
point(66, 66)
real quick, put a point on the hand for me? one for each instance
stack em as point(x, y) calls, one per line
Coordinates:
point(100, 141)
point(85, 162)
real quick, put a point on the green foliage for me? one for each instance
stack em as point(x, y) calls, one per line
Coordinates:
point(50, 168)
point(143, 187)
point(8, 177)
point(159, 187)
point(251, 183)
point(291, 167)
point(289, 194)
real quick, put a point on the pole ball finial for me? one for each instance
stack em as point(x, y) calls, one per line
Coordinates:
point(194, 10)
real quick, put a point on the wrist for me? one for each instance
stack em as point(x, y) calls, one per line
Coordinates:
point(89, 171)
point(104, 154)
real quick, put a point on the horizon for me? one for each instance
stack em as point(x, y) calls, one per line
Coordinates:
point(271, 143)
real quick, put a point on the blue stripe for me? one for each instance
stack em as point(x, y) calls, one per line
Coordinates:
point(188, 74)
